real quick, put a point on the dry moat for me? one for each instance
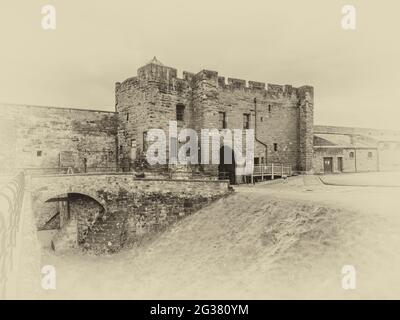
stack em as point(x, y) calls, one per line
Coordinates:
point(264, 241)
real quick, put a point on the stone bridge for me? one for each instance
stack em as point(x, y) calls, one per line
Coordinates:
point(103, 212)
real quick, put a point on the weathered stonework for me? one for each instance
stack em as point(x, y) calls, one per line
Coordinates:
point(47, 139)
point(114, 210)
point(103, 212)
point(55, 139)
point(284, 114)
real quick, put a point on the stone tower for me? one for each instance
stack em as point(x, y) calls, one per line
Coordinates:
point(306, 128)
point(282, 114)
point(148, 101)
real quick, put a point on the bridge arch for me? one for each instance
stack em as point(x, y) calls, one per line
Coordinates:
point(46, 195)
point(64, 220)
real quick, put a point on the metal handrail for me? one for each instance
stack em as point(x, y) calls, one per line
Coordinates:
point(11, 196)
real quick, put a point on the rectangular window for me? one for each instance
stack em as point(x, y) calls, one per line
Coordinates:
point(39, 153)
point(246, 121)
point(222, 120)
point(180, 112)
point(275, 147)
point(133, 143)
point(256, 161)
point(145, 141)
point(369, 154)
point(262, 160)
point(127, 116)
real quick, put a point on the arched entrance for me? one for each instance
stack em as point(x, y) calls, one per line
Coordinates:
point(64, 221)
point(227, 164)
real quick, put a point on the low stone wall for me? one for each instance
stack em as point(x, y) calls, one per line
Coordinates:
point(134, 209)
point(141, 215)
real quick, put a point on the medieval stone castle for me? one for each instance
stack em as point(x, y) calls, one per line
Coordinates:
point(90, 179)
point(46, 139)
point(282, 117)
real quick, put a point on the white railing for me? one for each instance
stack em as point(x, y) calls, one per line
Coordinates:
point(272, 170)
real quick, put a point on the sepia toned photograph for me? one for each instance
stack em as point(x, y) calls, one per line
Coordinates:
point(199, 150)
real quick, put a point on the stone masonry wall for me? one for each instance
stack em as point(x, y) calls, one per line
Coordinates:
point(357, 131)
point(134, 209)
point(306, 128)
point(277, 120)
point(142, 104)
point(47, 138)
point(284, 114)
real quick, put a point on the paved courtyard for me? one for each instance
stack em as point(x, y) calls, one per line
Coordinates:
point(388, 179)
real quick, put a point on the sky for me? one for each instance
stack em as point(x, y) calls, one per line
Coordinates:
point(355, 73)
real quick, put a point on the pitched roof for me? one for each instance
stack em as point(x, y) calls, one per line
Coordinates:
point(341, 141)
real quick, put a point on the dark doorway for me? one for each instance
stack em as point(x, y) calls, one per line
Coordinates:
point(67, 219)
point(328, 165)
point(340, 164)
point(227, 166)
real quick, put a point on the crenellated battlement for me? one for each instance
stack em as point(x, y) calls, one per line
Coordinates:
point(206, 75)
point(283, 114)
point(128, 83)
point(166, 78)
point(262, 87)
point(188, 76)
point(257, 85)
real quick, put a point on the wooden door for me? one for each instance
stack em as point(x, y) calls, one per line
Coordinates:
point(328, 165)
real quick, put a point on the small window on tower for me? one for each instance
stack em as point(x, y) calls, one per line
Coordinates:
point(351, 154)
point(222, 120)
point(180, 112)
point(269, 108)
point(369, 154)
point(127, 116)
point(246, 121)
point(39, 153)
point(275, 147)
point(145, 141)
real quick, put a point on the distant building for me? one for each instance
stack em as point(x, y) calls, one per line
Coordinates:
point(345, 149)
